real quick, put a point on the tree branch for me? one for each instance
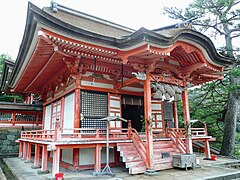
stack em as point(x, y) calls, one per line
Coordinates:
point(234, 30)
point(210, 26)
point(237, 35)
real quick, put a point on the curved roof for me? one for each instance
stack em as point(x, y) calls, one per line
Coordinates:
point(76, 26)
point(6, 74)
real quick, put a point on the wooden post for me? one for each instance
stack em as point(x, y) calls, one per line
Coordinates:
point(186, 116)
point(56, 161)
point(77, 103)
point(148, 123)
point(36, 157)
point(14, 118)
point(20, 149)
point(75, 158)
point(175, 114)
point(24, 151)
point(207, 149)
point(129, 129)
point(44, 158)
point(97, 159)
point(29, 152)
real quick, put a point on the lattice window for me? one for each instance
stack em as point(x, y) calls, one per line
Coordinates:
point(6, 116)
point(94, 106)
point(25, 117)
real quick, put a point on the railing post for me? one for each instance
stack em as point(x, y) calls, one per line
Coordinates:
point(167, 132)
point(97, 133)
point(205, 129)
point(129, 129)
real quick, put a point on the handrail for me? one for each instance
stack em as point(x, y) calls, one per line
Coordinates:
point(77, 134)
point(139, 145)
point(173, 133)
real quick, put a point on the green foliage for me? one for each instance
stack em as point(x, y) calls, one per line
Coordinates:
point(208, 103)
point(9, 98)
point(2, 58)
point(214, 17)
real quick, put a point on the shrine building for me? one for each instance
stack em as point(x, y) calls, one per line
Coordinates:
point(86, 69)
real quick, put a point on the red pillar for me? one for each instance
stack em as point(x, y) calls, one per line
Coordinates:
point(20, 154)
point(77, 103)
point(24, 156)
point(29, 152)
point(56, 161)
point(148, 121)
point(175, 114)
point(36, 157)
point(75, 158)
point(97, 163)
point(207, 149)
point(186, 116)
point(44, 158)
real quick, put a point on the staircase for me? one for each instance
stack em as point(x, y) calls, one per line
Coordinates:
point(163, 151)
point(132, 158)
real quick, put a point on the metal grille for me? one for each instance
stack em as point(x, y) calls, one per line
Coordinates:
point(94, 106)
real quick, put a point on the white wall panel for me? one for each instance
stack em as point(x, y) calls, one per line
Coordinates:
point(68, 118)
point(67, 155)
point(86, 156)
point(103, 155)
point(47, 119)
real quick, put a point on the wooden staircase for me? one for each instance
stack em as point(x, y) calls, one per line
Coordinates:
point(163, 151)
point(132, 158)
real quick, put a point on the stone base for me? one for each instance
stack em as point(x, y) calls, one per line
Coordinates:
point(151, 172)
point(43, 172)
point(35, 167)
point(27, 161)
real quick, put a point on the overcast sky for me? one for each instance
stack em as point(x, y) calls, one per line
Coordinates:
point(131, 13)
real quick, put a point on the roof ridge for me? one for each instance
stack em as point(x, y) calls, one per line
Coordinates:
point(55, 7)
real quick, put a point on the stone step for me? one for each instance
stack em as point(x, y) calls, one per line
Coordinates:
point(163, 145)
point(163, 161)
point(170, 149)
point(161, 164)
point(135, 164)
point(126, 148)
point(131, 158)
point(129, 153)
point(137, 169)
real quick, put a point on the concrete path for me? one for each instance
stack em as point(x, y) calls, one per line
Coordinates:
point(2, 176)
point(208, 170)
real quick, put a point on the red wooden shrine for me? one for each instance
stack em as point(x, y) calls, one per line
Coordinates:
point(86, 68)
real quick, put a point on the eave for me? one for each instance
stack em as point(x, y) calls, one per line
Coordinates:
point(137, 45)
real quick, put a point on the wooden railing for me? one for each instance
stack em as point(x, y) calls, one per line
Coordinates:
point(46, 135)
point(15, 118)
point(175, 134)
point(97, 134)
point(76, 134)
point(139, 145)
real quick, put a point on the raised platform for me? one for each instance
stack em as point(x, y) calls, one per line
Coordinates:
point(209, 170)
